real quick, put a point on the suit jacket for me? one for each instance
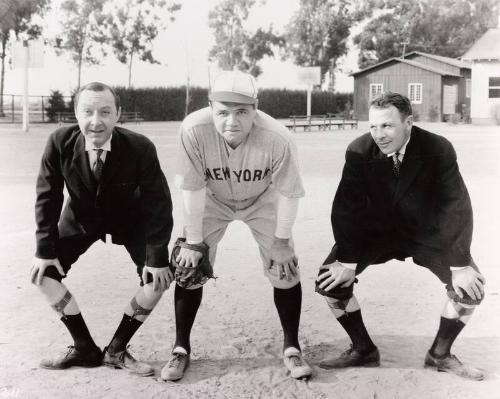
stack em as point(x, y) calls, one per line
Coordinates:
point(132, 201)
point(426, 213)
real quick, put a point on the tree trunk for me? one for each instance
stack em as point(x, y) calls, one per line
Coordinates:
point(2, 73)
point(186, 109)
point(130, 69)
point(79, 71)
point(331, 73)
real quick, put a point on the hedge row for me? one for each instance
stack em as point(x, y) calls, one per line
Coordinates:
point(168, 104)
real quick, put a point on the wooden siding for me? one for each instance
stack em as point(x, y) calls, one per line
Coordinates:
point(396, 77)
point(435, 64)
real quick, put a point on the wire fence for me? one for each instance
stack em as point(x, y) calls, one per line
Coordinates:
point(11, 108)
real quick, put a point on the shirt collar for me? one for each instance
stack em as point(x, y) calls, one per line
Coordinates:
point(106, 146)
point(402, 149)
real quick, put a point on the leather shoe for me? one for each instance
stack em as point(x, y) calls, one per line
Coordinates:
point(124, 360)
point(74, 357)
point(176, 367)
point(451, 364)
point(352, 358)
point(294, 362)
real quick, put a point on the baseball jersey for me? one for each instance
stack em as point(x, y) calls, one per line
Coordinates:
point(266, 159)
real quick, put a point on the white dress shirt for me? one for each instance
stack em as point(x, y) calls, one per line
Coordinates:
point(89, 147)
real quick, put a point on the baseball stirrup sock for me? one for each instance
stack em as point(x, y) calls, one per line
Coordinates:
point(62, 303)
point(78, 330)
point(288, 303)
point(124, 333)
point(187, 303)
point(352, 322)
point(138, 310)
point(338, 307)
point(446, 335)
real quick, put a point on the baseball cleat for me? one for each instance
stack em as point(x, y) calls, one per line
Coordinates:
point(451, 364)
point(352, 358)
point(292, 358)
point(175, 368)
point(124, 360)
point(74, 357)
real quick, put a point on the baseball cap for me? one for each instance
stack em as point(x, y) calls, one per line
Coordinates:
point(234, 87)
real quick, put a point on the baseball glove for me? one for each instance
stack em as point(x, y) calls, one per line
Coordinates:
point(190, 276)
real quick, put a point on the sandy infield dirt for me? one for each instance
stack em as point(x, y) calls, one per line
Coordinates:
point(237, 337)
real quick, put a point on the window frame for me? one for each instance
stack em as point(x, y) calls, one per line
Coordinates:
point(415, 100)
point(494, 87)
point(377, 91)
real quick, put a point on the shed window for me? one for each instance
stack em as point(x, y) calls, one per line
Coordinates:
point(494, 87)
point(415, 93)
point(467, 88)
point(375, 90)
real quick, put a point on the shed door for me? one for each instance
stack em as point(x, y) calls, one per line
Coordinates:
point(450, 99)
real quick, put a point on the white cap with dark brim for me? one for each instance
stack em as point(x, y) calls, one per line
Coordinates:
point(234, 87)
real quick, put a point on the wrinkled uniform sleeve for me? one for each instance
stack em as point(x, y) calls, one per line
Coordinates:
point(190, 174)
point(49, 201)
point(156, 209)
point(285, 172)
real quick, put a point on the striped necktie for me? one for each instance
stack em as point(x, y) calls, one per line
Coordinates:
point(98, 165)
point(396, 165)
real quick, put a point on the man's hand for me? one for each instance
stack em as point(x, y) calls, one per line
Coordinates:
point(38, 267)
point(335, 274)
point(468, 280)
point(162, 277)
point(283, 257)
point(188, 257)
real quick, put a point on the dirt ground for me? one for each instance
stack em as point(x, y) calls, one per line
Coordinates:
point(237, 338)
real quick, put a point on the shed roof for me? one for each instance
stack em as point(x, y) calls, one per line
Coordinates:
point(486, 48)
point(408, 62)
point(446, 60)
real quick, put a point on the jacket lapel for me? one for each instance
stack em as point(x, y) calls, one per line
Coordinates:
point(412, 163)
point(80, 164)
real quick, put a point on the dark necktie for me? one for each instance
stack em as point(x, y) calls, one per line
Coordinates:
point(396, 165)
point(98, 165)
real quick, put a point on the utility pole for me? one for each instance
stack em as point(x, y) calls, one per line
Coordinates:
point(406, 42)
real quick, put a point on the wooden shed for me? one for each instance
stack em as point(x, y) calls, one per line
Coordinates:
point(437, 86)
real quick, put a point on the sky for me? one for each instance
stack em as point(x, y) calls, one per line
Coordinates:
point(182, 50)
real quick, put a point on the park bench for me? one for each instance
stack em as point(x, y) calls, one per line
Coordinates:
point(69, 117)
point(323, 122)
point(340, 121)
point(131, 117)
point(307, 122)
point(66, 117)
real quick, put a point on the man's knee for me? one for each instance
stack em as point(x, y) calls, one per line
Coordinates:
point(51, 272)
point(151, 294)
point(283, 283)
point(338, 293)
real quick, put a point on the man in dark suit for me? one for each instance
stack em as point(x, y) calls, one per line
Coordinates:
point(117, 193)
point(401, 195)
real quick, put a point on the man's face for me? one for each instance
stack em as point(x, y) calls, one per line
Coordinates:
point(97, 115)
point(233, 121)
point(387, 129)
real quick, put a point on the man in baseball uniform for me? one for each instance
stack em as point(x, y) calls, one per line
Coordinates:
point(238, 163)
